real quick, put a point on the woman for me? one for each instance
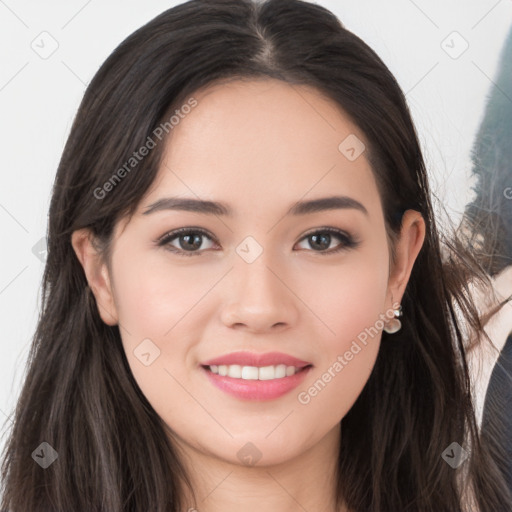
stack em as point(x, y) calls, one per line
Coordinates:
point(245, 302)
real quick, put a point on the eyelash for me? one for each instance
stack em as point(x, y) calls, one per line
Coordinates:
point(348, 242)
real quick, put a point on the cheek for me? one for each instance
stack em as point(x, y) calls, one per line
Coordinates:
point(347, 356)
point(348, 296)
point(153, 294)
point(156, 303)
point(351, 309)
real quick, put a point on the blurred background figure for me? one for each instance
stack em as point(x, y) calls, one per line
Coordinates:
point(487, 229)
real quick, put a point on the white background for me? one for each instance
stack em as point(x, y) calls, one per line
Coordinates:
point(39, 98)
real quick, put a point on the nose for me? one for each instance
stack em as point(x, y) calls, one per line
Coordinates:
point(259, 298)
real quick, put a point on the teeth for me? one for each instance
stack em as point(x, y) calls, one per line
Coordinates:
point(236, 371)
point(248, 372)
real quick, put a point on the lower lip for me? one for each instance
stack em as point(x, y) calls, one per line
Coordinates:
point(257, 389)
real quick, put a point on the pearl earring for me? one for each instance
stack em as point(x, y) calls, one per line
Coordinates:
point(394, 324)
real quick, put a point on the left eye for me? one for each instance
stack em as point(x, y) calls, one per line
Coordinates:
point(322, 240)
point(190, 241)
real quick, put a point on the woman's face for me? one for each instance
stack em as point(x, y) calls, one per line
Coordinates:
point(265, 277)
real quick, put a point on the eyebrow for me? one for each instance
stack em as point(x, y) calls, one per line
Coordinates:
point(219, 208)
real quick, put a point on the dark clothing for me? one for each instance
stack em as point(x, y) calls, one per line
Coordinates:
point(498, 406)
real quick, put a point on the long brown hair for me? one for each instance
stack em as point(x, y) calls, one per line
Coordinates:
point(79, 394)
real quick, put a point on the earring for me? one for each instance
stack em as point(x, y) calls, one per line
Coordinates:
point(394, 324)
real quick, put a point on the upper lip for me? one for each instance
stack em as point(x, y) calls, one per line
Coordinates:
point(255, 359)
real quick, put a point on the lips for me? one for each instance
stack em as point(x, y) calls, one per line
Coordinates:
point(227, 374)
point(255, 359)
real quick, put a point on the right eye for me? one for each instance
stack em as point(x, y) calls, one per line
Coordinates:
point(189, 240)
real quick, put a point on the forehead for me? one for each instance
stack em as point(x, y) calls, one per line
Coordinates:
point(261, 143)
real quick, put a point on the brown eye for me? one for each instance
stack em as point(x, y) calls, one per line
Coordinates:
point(189, 241)
point(321, 240)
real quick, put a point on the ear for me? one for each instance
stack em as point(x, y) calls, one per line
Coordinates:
point(412, 235)
point(96, 272)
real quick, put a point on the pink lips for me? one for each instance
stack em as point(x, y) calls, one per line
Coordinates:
point(257, 389)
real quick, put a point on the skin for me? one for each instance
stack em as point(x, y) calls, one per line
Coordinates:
point(259, 146)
